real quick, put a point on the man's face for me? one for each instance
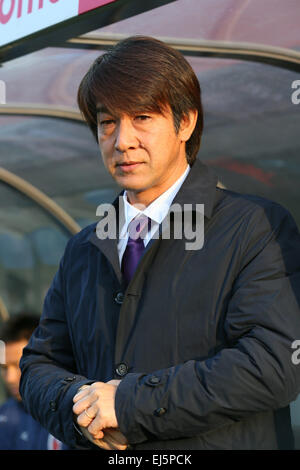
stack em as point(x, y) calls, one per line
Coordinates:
point(143, 153)
point(10, 371)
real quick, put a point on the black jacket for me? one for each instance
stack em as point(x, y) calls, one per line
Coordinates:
point(201, 338)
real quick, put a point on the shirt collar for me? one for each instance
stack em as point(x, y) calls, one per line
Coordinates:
point(158, 209)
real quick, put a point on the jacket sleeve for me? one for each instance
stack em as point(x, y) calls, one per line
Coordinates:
point(254, 371)
point(49, 380)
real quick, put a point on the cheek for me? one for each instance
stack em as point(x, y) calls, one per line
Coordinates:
point(105, 150)
point(103, 156)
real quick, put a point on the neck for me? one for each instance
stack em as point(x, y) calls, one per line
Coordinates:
point(144, 198)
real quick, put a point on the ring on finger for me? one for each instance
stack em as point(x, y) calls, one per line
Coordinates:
point(91, 417)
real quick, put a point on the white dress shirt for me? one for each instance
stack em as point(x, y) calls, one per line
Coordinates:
point(156, 211)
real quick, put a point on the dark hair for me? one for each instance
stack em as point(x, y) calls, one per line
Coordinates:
point(19, 327)
point(143, 74)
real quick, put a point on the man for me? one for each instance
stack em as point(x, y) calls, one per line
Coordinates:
point(157, 346)
point(18, 430)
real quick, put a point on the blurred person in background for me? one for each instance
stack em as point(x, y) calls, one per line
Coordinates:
point(18, 430)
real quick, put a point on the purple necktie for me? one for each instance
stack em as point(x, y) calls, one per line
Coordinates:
point(137, 230)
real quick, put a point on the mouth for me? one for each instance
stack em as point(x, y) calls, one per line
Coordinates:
point(128, 166)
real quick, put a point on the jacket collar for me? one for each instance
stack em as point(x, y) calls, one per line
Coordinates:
point(109, 246)
point(199, 187)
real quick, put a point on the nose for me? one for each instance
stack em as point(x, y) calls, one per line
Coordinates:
point(126, 137)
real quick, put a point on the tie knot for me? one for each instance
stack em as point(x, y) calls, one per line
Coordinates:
point(139, 226)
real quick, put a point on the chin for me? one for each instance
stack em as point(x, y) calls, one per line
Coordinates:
point(131, 185)
point(134, 189)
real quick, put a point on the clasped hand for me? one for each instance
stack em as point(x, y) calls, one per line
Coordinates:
point(94, 407)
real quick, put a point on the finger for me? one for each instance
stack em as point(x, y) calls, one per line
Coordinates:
point(102, 444)
point(83, 393)
point(98, 435)
point(87, 435)
point(85, 402)
point(114, 446)
point(96, 425)
point(107, 442)
point(83, 420)
point(116, 436)
point(86, 417)
point(82, 405)
point(105, 418)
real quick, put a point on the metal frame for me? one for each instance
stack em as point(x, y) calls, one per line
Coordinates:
point(48, 111)
point(41, 199)
point(30, 191)
point(277, 56)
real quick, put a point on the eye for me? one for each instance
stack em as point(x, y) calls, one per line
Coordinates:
point(142, 117)
point(107, 122)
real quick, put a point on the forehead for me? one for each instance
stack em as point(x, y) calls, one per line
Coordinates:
point(132, 111)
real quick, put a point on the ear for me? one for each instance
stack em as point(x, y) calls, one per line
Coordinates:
point(188, 124)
